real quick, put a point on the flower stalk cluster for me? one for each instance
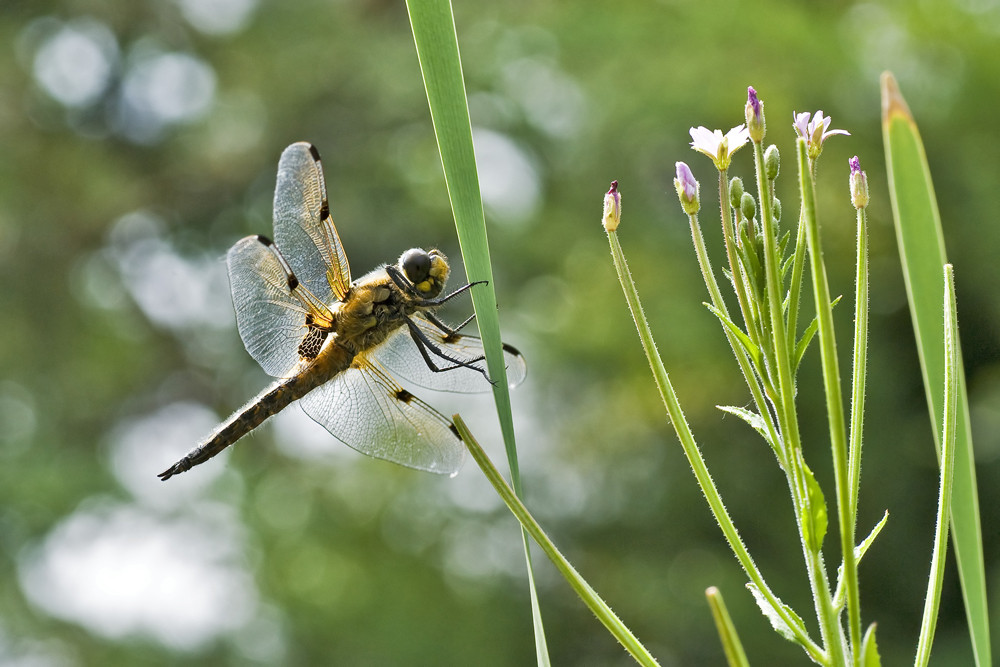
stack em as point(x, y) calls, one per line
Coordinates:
point(766, 270)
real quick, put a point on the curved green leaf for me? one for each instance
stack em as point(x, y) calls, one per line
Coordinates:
point(922, 251)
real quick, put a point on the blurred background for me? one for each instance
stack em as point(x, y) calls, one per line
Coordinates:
point(139, 140)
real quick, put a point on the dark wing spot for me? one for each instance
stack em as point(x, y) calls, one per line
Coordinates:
point(311, 345)
point(454, 429)
point(314, 152)
point(324, 211)
point(453, 337)
point(404, 396)
point(293, 282)
point(264, 240)
point(510, 349)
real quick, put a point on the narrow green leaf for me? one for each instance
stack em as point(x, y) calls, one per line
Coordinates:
point(862, 549)
point(869, 649)
point(433, 26)
point(803, 344)
point(777, 620)
point(815, 520)
point(532, 527)
point(752, 350)
point(807, 336)
point(932, 602)
point(859, 552)
point(922, 251)
point(731, 644)
point(752, 418)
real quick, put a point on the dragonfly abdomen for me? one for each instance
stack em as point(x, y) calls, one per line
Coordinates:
point(273, 399)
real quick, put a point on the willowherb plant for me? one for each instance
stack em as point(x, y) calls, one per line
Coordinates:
point(765, 268)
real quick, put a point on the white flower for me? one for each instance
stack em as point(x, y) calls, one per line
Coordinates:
point(814, 131)
point(718, 147)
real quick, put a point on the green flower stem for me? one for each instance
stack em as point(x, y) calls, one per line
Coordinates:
point(739, 284)
point(528, 522)
point(949, 428)
point(860, 362)
point(834, 400)
point(825, 613)
point(741, 357)
point(795, 284)
point(785, 403)
point(694, 455)
point(731, 644)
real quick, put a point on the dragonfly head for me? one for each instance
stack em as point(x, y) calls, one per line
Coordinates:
point(427, 270)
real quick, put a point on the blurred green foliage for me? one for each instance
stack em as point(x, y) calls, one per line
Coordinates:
point(139, 140)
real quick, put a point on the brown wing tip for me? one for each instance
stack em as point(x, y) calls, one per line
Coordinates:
point(510, 349)
point(893, 103)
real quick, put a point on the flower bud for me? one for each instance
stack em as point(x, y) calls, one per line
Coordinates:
point(612, 208)
point(755, 116)
point(735, 192)
point(859, 184)
point(772, 162)
point(687, 189)
point(776, 209)
point(748, 206)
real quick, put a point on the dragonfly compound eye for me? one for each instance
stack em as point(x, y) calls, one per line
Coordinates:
point(416, 264)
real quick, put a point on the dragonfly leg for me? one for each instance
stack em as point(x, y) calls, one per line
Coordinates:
point(425, 345)
point(445, 329)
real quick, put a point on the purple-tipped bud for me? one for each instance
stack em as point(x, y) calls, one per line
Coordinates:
point(859, 184)
point(612, 208)
point(687, 189)
point(755, 116)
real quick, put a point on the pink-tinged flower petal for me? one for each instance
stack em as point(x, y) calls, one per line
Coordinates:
point(814, 131)
point(754, 103)
point(686, 180)
point(687, 189)
point(801, 124)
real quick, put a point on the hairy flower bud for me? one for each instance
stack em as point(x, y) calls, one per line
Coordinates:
point(754, 112)
point(612, 208)
point(772, 162)
point(748, 206)
point(687, 189)
point(859, 184)
point(735, 192)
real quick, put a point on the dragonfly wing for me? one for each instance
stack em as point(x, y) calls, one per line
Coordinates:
point(400, 355)
point(271, 321)
point(303, 228)
point(368, 411)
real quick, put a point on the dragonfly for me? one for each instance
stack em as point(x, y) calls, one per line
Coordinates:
point(337, 345)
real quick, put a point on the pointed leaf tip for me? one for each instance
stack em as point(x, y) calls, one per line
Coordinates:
point(893, 103)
